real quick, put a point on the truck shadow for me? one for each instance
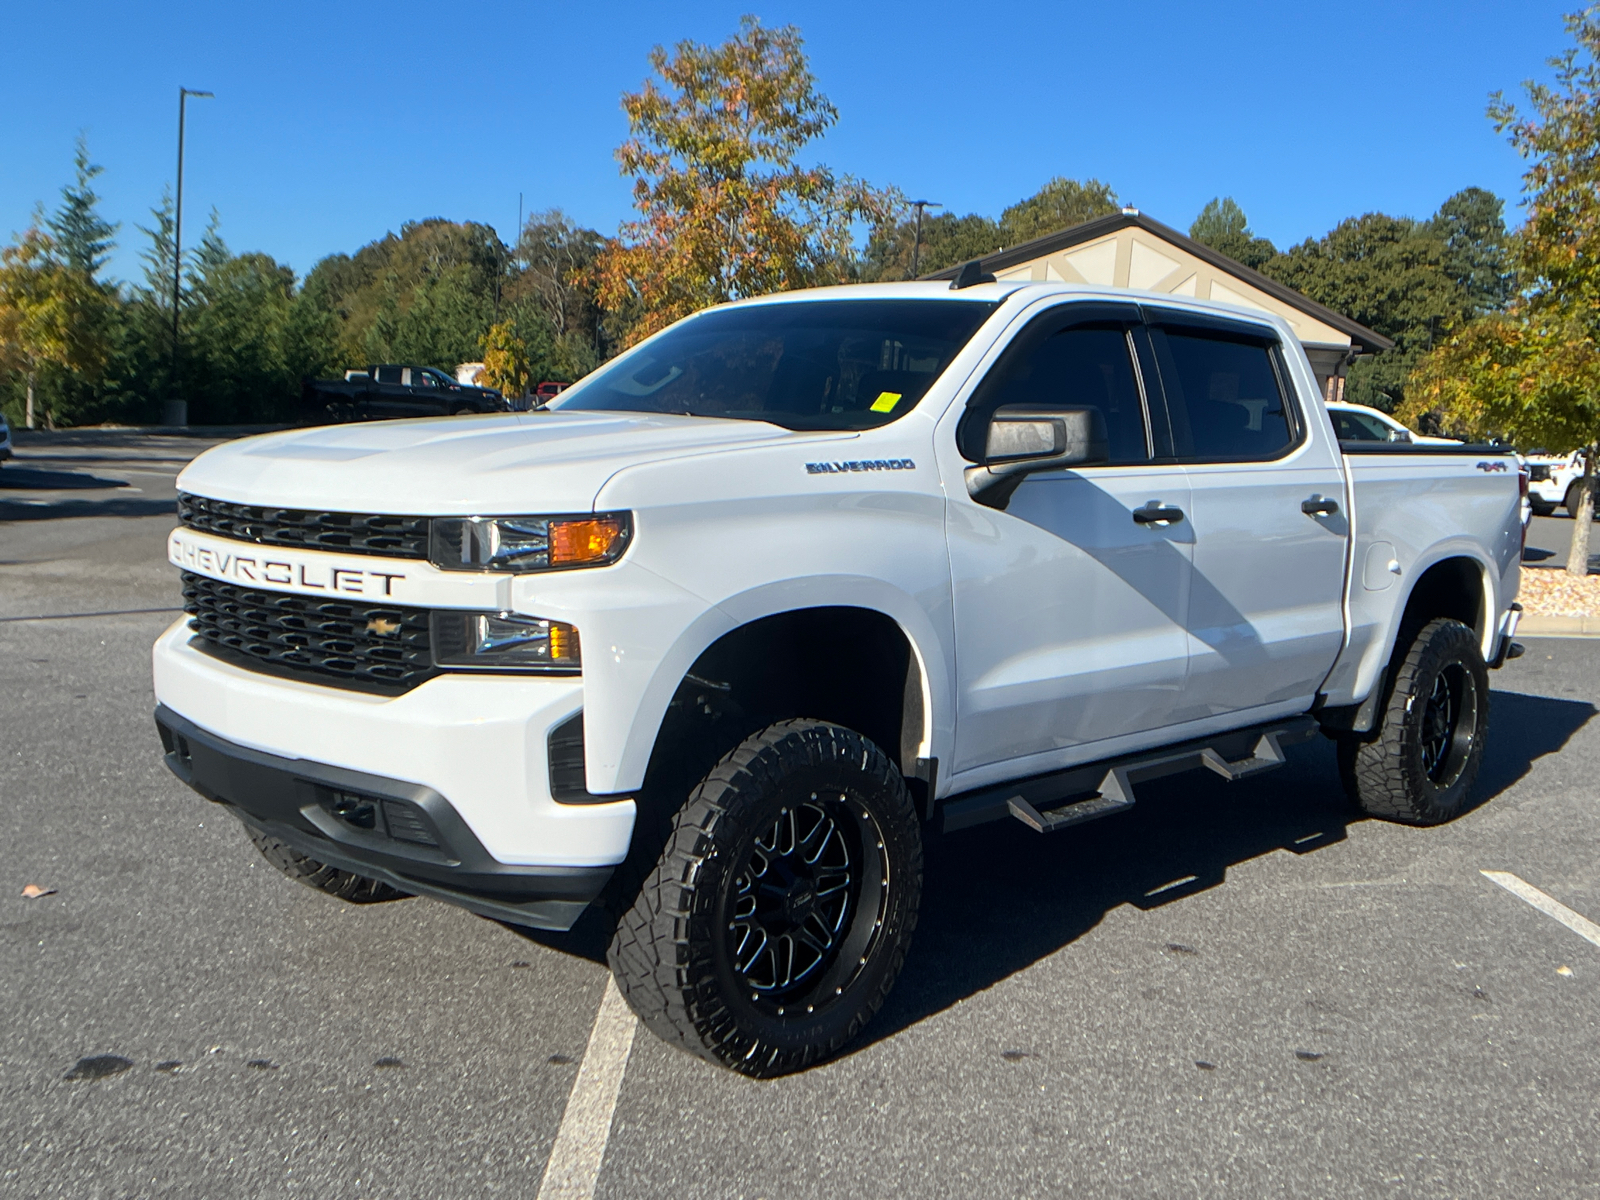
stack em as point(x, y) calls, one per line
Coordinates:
point(999, 898)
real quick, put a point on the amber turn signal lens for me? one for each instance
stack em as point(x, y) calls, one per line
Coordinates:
point(589, 540)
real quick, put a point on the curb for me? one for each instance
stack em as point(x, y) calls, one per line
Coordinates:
point(1533, 625)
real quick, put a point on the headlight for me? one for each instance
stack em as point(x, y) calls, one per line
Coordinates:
point(503, 642)
point(528, 543)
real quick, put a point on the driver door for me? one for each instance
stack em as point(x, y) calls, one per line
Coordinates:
point(1070, 602)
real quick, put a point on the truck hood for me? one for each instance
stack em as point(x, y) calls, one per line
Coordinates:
point(457, 466)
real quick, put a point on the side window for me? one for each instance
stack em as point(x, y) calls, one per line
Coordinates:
point(1351, 428)
point(1223, 395)
point(423, 379)
point(1080, 367)
point(1358, 427)
point(388, 374)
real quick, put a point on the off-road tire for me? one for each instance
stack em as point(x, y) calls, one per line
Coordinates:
point(1420, 763)
point(675, 953)
point(346, 885)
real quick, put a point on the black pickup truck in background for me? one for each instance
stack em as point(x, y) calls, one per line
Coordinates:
point(395, 390)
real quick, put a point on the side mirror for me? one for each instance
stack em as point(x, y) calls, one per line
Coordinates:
point(1024, 438)
point(1399, 435)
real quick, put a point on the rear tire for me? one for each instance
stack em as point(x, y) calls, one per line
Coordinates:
point(1420, 764)
point(1574, 498)
point(778, 915)
point(357, 889)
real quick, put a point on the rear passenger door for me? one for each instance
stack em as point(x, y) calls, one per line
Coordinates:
point(1266, 606)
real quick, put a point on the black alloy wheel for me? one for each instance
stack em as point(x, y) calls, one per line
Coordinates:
point(1449, 721)
point(796, 936)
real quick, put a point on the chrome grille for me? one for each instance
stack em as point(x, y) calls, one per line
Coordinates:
point(308, 529)
point(370, 647)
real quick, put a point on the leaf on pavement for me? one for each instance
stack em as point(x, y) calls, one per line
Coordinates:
point(33, 891)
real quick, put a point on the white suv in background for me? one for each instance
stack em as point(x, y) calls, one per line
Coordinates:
point(1554, 481)
point(1358, 423)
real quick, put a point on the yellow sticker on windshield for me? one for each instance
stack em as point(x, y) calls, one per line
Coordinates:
point(886, 401)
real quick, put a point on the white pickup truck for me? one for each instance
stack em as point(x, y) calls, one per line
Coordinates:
point(714, 638)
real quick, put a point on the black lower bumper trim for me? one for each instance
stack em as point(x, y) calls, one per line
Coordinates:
point(405, 834)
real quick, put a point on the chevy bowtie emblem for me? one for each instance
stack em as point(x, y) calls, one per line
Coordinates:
point(382, 626)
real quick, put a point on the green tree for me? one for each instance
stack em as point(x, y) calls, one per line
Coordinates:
point(444, 323)
point(1390, 274)
point(1223, 226)
point(83, 238)
point(367, 295)
point(726, 208)
point(1059, 204)
point(1472, 226)
point(946, 240)
point(238, 321)
point(1534, 372)
point(551, 294)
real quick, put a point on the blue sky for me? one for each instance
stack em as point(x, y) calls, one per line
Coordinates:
point(336, 122)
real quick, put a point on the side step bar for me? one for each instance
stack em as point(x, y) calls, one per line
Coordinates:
point(1038, 802)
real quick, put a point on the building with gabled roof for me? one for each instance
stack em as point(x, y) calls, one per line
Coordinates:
point(1131, 250)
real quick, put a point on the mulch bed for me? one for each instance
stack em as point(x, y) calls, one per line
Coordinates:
point(1551, 592)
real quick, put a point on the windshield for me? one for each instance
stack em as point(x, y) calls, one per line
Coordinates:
point(824, 364)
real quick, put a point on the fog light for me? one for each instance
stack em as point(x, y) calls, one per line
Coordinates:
point(504, 641)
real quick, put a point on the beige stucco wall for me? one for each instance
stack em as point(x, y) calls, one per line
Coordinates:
point(1136, 258)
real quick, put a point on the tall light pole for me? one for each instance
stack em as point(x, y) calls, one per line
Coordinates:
point(177, 241)
point(916, 246)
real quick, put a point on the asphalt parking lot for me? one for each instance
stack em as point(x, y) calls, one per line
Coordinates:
point(1231, 990)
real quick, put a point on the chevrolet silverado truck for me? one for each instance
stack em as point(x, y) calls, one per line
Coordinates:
point(389, 390)
point(714, 641)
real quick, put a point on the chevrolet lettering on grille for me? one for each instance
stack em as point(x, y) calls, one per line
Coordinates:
point(263, 568)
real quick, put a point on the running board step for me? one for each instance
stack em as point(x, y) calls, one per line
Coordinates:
point(1110, 785)
point(1067, 814)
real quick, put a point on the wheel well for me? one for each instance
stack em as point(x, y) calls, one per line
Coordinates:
point(1450, 588)
point(851, 666)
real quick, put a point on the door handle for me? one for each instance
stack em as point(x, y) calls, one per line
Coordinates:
point(1157, 514)
point(1319, 506)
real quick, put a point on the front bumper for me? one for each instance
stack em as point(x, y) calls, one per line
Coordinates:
point(405, 834)
point(479, 740)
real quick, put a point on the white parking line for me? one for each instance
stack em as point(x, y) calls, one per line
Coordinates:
point(1549, 905)
point(574, 1166)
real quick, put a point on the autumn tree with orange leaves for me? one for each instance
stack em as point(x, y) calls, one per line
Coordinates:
point(726, 209)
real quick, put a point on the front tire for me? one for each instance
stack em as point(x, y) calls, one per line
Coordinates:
point(1420, 765)
point(778, 915)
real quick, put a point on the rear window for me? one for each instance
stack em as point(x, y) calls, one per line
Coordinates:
point(825, 364)
point(1223, 396)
